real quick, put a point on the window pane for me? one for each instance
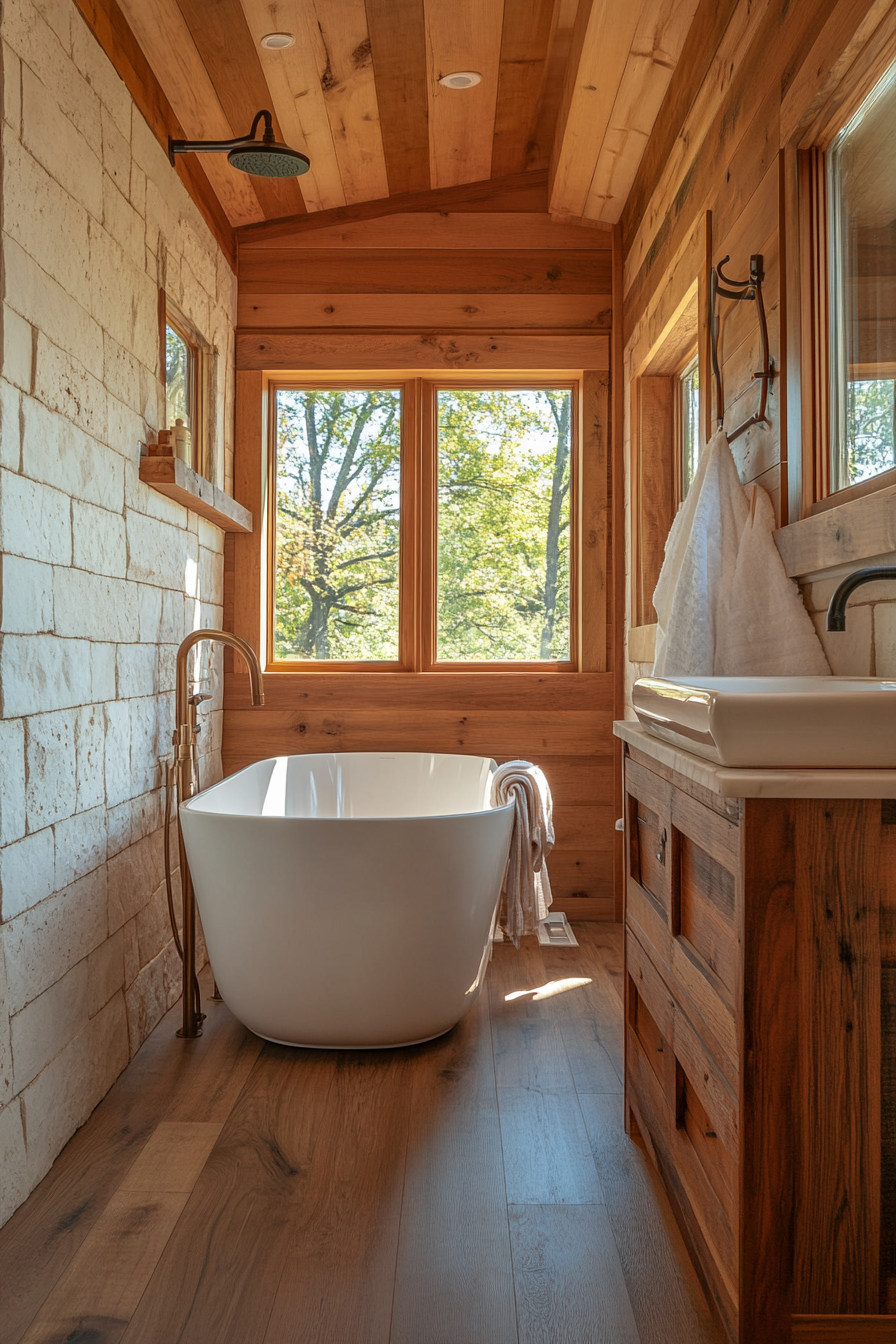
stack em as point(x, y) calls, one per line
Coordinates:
point(338, 473)
point(862, 228)
point(177, 378)
point(690, 425)
point(504, 472)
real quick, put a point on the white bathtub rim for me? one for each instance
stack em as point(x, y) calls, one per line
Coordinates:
point(194, 804)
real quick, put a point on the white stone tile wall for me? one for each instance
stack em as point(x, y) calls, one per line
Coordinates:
point(100, 577)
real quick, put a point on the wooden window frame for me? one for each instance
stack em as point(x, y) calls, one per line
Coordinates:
point(200, 380)
point(418, 563)
point(810, 471)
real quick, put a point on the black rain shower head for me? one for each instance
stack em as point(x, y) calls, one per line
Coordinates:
point(262, 158)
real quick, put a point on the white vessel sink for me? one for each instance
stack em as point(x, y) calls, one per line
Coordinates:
point(775, 722)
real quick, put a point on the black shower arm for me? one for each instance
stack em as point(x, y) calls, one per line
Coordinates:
point(224, 146)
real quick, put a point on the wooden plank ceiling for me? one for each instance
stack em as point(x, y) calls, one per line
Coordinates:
point(570, 90)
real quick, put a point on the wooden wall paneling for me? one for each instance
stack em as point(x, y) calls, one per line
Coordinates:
point(111, 30)
point(297, 99)
point(342, 49)
point(447, 229)
point(708, 26)
point(656, 47)
point(166, 41)
point(439, 312)
point(840, 42)
point(525, 39)
point(462, 123)
point(726, 155)
point(595, 567)
point(616, 551)
point(231, 58)
point(418, 270)
point(420, 350)
point(523, 192)
point(837, 850)
point(602, 40)
point(247, 550)
point(667, 164)
point(653, 487)
point(398, 48)
point(767, 1048)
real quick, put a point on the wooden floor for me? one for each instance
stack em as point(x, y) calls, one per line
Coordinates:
point(475, 1190)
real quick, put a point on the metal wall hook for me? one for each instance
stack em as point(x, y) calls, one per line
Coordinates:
point(739, 290)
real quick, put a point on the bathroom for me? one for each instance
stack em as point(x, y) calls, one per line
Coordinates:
point(553, 225)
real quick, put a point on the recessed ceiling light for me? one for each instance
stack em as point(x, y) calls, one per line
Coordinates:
point(277, 41)
point(461, 79)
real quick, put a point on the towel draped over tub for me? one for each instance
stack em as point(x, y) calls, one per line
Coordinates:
point(526, 893)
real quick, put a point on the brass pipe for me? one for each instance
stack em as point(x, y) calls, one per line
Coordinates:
point(184, 739)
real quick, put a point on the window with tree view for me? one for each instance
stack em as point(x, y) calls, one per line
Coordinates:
point(504, 458)
point(862, 296)
point(336, 589)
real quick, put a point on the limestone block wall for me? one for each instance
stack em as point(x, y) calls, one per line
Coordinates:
point(101, 577)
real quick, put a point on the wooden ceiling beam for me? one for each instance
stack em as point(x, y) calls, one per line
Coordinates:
point(297, 97)
point(523, 192)
point(462, 35)
point(111, 30)
point(166, 43)
point(525, 39)
point(340, 40)
point(231, 58)
point(398, 46)
point(621, 62)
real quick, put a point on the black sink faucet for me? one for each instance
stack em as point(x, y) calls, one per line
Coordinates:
point(837, 606)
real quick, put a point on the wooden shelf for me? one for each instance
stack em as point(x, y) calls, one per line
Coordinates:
point(860, 529)
point(172, 477)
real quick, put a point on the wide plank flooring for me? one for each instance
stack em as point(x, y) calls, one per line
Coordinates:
point(479, 1189)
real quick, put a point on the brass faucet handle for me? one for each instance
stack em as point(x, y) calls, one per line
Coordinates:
point(198, 698)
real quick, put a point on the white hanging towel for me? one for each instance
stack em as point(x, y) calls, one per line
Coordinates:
point(526, 893)
point(724, 603)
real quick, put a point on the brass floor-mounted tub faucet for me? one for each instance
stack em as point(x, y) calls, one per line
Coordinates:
point(186, 772)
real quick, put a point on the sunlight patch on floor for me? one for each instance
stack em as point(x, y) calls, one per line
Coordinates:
point(549, 990)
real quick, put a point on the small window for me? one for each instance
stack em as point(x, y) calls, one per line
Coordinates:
point(338, 522)
point(187, 388)
point(503, 524)
point(861, 181)
point(689, 423)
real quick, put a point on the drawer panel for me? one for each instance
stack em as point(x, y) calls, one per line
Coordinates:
point(648, 805)
point(716, 1096)
point(709, 1222)
point(691, 985)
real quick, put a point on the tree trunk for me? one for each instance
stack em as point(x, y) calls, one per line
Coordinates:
point(552, 546)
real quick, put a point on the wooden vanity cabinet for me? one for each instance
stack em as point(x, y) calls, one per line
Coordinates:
point(761, 1046)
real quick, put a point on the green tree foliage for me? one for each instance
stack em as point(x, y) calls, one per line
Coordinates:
point(337, 524)
point(504, 460)
point(177, 359)
point(503, 523)
point(869, 428)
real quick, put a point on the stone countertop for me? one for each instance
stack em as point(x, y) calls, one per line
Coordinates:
point(731, 782)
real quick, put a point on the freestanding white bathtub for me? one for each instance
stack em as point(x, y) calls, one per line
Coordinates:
point(348, 900)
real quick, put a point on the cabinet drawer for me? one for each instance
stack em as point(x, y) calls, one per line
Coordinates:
point(648, 803)
point(714, 1092)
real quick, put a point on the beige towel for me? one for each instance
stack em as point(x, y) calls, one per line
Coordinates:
point(526, 894)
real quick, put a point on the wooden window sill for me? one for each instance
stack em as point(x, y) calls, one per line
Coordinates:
point(172, 477)
point(860, 529)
